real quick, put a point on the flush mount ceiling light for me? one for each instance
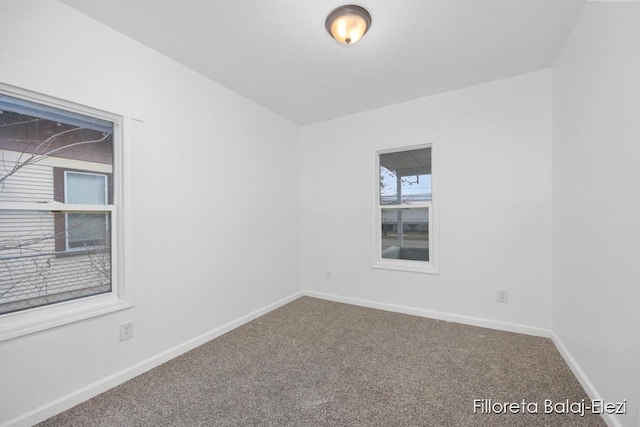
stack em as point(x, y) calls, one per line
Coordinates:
point(348, 24)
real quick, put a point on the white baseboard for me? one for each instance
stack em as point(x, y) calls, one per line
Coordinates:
point(449, 317)
point(584, 381)
point(70, 400)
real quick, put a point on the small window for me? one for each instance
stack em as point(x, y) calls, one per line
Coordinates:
point(405, 220)
point(58, 213)
point(86, 231)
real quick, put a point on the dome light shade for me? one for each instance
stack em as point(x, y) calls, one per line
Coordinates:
point(347, 24)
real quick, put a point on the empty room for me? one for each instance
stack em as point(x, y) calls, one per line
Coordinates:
point(308, 213)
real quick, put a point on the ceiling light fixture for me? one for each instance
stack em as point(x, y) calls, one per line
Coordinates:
point(348, 24)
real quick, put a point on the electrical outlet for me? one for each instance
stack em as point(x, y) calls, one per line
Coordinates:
point(126, 330)
point(502, 296)
point(328, 274)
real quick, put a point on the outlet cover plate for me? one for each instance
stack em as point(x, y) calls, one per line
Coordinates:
point(502, 296)
point(126, 330)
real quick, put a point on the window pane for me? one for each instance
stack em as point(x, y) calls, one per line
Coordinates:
point(35, 139)
point(405, 234)
point(84, 188)
point(405, 177)
point(33, 272)
point(87, 230)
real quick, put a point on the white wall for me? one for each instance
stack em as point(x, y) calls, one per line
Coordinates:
point(495, 203)
point(596, 152)
point(216, 211)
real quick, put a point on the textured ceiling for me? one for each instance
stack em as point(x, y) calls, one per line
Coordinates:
point(278, 53)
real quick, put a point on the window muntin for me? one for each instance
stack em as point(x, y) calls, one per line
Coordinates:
point(404, 209)
point(38, 226)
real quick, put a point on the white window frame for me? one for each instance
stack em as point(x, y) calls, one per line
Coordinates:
point(66, 218)
point(120, 297)
point(433, 265)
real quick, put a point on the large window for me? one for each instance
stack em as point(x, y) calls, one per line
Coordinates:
point(59, 209)
point(405, 219)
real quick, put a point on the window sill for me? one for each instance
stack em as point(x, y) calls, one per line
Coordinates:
point(13, 325)
point(409, 266)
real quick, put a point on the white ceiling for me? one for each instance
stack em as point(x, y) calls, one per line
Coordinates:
point(278, 53)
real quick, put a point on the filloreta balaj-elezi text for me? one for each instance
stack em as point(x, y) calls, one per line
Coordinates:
point(596, 406)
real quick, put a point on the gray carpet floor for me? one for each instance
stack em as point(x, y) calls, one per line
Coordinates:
point(319, 363)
